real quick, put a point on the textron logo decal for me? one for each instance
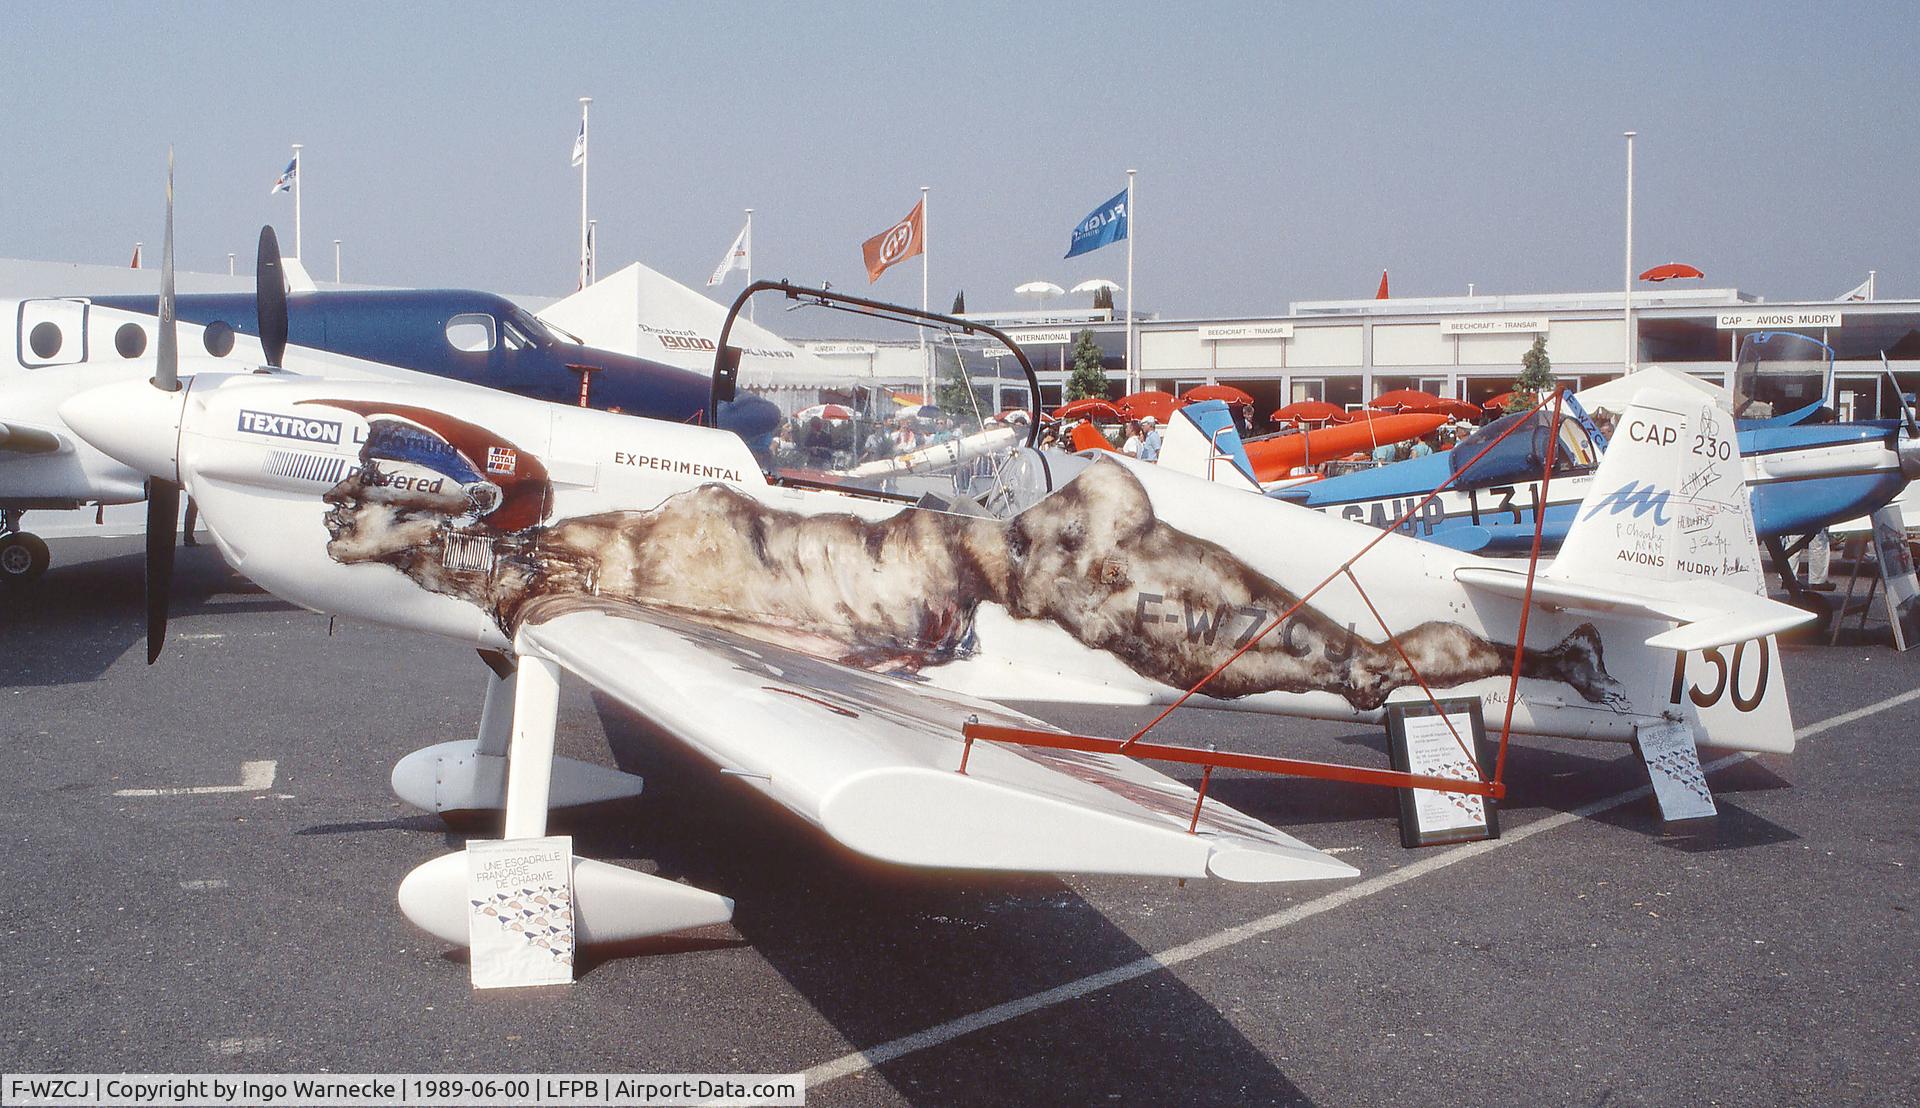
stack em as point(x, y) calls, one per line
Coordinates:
point(1632, 497)
point(290, 427)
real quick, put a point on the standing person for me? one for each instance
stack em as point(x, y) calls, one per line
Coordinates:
point(1383, 454)
point(1130, 446)
point(1150, 439)
point(1421, 448)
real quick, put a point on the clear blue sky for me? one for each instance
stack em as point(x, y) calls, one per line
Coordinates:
point(1285, 151)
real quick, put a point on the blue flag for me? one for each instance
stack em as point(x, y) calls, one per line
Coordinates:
point(1105, 224)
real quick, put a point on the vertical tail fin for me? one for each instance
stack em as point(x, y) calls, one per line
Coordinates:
point(1668, 503)
point(1201, 441)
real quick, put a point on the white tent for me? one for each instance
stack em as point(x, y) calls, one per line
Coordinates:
point(647, 314)
point(1617, 394)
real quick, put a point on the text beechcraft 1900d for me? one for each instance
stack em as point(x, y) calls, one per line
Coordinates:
point(831, 641)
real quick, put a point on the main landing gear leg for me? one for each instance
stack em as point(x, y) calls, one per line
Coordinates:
point(467, 778)
point(1797, 594)
point(610, 904)
point(23, 556)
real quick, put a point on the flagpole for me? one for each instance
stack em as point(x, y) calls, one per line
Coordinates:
point(586, 151)
point(1133, 382)
point(926, 357)
point(593, 248)
point(1627, 316)
point(749, 261)
point(336, 261)
point(1871, 274)
point(299, 172)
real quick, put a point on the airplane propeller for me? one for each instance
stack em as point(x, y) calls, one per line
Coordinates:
point(163, 495)
point(270, 297)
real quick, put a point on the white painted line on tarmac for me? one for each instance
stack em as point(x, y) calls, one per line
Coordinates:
point(204, 884)
point(848, 1064)
point(254, 777)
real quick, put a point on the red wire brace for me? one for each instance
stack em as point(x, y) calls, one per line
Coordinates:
point(1210, 759)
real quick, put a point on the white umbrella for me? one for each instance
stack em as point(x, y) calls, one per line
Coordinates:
point(1095, 285)
point(1041, 289)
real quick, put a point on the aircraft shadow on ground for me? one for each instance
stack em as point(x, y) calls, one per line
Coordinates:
point(81, 617)
point(882, 951)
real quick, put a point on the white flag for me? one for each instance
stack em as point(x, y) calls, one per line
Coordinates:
point(580, 144)
point(1861, 291)
point(739, 256)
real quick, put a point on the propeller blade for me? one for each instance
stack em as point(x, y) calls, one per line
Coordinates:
point(163, 518)
point(270, 297)
point(166, 368)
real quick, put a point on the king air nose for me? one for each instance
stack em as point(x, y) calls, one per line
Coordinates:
point(131, 422)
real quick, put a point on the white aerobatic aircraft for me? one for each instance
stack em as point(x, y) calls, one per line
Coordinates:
point(827, 644)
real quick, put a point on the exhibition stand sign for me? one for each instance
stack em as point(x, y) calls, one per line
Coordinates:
point(1433, 739)
point(520, 896)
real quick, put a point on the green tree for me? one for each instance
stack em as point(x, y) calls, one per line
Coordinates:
point(1089, 377)
point(952, 392)
point(959, 303)
point(1536, 377)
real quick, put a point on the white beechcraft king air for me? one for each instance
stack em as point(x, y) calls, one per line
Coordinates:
point(836, 644)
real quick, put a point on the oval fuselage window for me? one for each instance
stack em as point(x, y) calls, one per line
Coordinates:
point(471, 331)
point(44, 339)
point(219, 339)
point(130, 340)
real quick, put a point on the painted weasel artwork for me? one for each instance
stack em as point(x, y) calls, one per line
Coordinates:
point(459, 511)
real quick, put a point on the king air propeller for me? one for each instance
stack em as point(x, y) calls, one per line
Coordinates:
point(163, 494)
point(270, 298)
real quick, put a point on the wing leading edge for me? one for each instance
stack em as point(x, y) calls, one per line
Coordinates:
point(874, 760)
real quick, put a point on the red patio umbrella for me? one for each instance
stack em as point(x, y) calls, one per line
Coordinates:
point(1233, 396)
point(1310, 411)
point(832, 413)
point(1406, 400)
point(1458, 409)
point(1088, 407)
point(1152, 402)
point(1670, 271)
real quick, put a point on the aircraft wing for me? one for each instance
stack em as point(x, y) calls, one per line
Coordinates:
point(1709, 613)
point(15, 439)
point(873, 760)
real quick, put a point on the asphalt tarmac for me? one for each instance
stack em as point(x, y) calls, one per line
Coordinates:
point(1589, 956)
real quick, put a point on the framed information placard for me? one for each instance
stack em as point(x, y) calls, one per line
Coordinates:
point(1422, 739)
point(1902, 590)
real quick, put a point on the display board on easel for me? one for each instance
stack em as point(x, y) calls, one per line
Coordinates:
point(1899, 584)
point(1434, 741)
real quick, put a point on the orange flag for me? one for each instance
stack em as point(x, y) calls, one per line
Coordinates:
point(1382, 294)
point(897, 243)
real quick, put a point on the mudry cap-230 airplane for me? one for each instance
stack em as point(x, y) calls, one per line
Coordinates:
point(838, 645)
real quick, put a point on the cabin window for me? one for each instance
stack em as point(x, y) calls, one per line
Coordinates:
point(471, 332)
point(44, 339)
point(130, 340)
point(218, 338)
point(513, 337)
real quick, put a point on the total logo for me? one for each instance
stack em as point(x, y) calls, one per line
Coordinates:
point(898, 242)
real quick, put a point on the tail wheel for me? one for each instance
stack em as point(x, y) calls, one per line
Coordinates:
point(23, 557)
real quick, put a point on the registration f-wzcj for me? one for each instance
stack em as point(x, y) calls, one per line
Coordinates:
point(831, 637)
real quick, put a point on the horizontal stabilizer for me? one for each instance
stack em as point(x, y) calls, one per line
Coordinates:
point(1709, 613)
